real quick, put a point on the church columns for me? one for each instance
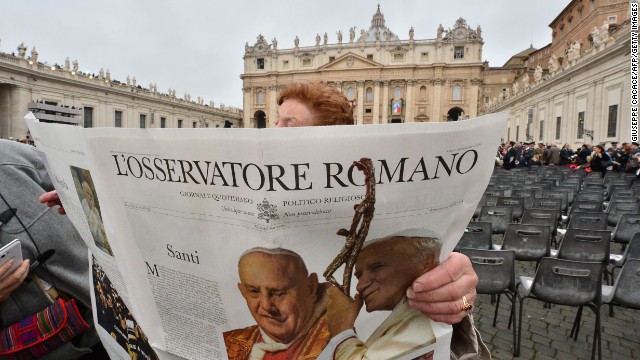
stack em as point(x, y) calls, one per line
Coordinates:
point(360, 103)
point(385, 102)
point(273, 105)
point(436, 110)
point(572, 116)
point(248, 107)
point(599, 110)
point(473, 98)
point(409, 116)
point(376, 102)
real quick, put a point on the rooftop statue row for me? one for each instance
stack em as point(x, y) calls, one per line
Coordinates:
point(73, 69)
point(378, 32)
point(262, 46)
point(572, 53)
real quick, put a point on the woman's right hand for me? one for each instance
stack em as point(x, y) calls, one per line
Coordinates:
point(52, 199)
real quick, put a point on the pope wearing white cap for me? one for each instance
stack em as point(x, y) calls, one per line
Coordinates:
point(385, 268)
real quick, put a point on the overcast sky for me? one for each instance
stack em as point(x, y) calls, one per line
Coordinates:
point(197, 45)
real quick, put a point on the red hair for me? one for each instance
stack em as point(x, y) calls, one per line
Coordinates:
point(328, 105)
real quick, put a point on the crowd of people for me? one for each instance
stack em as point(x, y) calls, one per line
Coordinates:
point(622, 158)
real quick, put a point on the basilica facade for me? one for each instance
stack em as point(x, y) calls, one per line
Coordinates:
point(387, 79)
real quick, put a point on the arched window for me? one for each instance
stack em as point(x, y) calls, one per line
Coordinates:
point(369, 97)
point(260, 97)
point(457, 93)
point(423, 92)
point(351, 94)
point(397, 92)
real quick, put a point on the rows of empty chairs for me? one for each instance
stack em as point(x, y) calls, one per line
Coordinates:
point(564, 222)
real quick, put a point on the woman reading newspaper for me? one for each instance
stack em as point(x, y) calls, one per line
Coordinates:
point(446, 292)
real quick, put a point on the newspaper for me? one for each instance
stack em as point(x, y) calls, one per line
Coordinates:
point(168, 213)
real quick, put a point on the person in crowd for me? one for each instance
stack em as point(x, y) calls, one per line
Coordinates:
point(526, 155)
point(566, 155)
point(624, 157)
point(24, 178)
point(287, 304)
point(599, 161)
point(627, 162)
point(511, 156)
point(615, 159)
point(615, 148)
point(554, 155)
point(538, 155)
point(583, 154)
point(385, 268)
point(500, 155)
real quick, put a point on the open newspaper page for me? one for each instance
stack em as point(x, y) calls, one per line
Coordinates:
point(212, 243)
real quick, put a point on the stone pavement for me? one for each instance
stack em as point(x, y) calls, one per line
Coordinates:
point(545, 332)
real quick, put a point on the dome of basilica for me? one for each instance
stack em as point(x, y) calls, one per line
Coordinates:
point(377, 30)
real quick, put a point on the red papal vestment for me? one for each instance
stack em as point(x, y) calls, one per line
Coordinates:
point(239, 343)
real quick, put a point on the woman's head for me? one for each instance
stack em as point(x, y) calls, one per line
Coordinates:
point(313, 104)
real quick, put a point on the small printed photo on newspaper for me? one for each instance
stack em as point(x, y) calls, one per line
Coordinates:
point(91, 207)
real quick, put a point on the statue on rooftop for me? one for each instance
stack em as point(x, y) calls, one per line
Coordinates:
point(317, 39)
point(411, 33)
point(440, 31)
point(296, 41)
point(604, 32)
point(525, 81)
point(67, 64)
point(133, 81)
point(595, 36)
point(34, 55)
point(363, 36)
point(339, 33)
point(129, 81)
point(326, 38)
point(274, 42)
point(22, 50)
point(352, 33)
point(75, 66)
point(101, 73)
point(553, 65)
point(108, 78)
point(537, 75)
point(573, 52)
